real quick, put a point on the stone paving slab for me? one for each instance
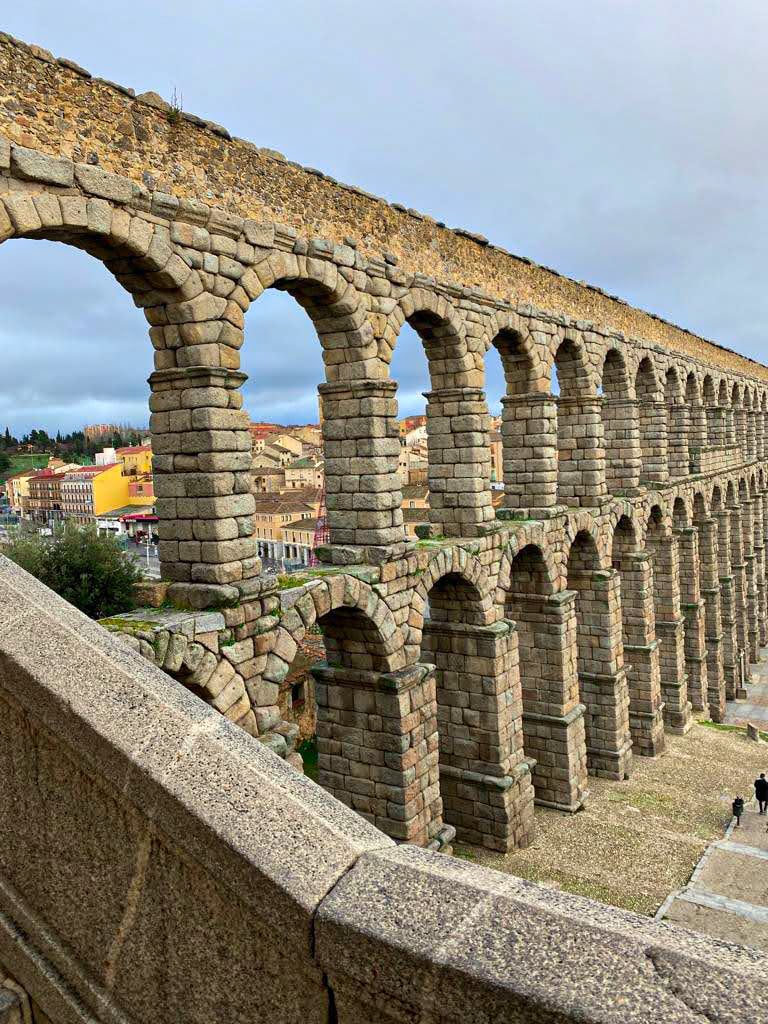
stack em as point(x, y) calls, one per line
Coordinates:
point(755, 707)
point(720, 918)
point(749, 712)
point(737, 875)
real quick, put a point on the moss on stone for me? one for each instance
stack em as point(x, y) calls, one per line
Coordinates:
point(119, 624)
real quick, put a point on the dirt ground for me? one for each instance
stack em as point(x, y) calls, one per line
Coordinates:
point(638, 840)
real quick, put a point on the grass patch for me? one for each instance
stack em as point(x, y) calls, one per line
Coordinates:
point(308, 751)
point(464, 853)
point(724, 727)
point(645, 801)
point(20, 463)
point(590, 888)
point(290, 582)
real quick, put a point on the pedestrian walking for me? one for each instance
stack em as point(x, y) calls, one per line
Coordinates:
point(761, 793)
point(738, 809)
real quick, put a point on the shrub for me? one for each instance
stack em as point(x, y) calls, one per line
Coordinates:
point(91, 572)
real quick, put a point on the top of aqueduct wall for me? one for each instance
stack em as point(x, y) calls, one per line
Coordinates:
point(53, 105)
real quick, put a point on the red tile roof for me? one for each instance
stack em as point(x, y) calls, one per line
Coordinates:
point(91, 470)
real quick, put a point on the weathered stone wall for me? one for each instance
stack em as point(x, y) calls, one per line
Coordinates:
point(159, 864)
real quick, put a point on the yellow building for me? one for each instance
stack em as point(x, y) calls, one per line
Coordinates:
point(17, 489)
point(90, 491)
point(141, 491)
point(136, 461)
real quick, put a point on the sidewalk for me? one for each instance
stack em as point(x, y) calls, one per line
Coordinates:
point(755, 708)
point(727, 895)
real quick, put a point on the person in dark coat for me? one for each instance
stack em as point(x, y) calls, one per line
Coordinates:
point(738, 809)
point(761, 793)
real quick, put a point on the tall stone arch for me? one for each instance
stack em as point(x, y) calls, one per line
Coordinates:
point(458, 422)
point(641, 647)
point(602, 676)
point(529, 418)
point(484, 776)
point(621, 426)
point(581, 455)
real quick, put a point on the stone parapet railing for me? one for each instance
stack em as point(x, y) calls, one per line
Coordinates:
point(157, 863)
point(716, 459)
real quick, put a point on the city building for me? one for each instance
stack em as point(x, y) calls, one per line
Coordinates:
point(42, 502)
point(310, 433)
point(415, 435)
point(298, 539)
point(409, 423)
point(17, 489)
point(267, 479)
point(415, 496)
point(135, 459)
point(89, 491)
point(141, 491)
point(260, 433)
point(273, 515)
point(412, 464)
point(129, 521)
point(95, 431)
point(305, 472)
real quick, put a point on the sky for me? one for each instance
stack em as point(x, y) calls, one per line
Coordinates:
point(622, 142)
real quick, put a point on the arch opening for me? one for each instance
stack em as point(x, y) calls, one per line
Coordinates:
point(548, 680)
point(477, 712)
point(678, 422)
point(620, 427)
point(286, 425)
point(577, 440)
point(457, 427)
point(600, 659)
point(76, 357)
point(652, 424)
point(639, 638)
point(697, 430)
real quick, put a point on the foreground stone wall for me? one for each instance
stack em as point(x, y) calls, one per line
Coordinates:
point(159, 864)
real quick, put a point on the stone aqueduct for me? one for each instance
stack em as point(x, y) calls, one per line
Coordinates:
point(619, 592)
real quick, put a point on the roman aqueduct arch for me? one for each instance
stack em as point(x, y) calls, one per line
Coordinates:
point(618, 589)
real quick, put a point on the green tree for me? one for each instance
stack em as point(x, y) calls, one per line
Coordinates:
point(5, 463)
point(91, 572)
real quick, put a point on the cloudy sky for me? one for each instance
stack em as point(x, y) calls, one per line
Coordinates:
point(623, 142)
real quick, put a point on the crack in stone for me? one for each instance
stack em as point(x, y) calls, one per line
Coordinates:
point(670, 986)
point(132, 899)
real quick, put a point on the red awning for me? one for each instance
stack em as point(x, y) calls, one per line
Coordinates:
point(138, 517)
